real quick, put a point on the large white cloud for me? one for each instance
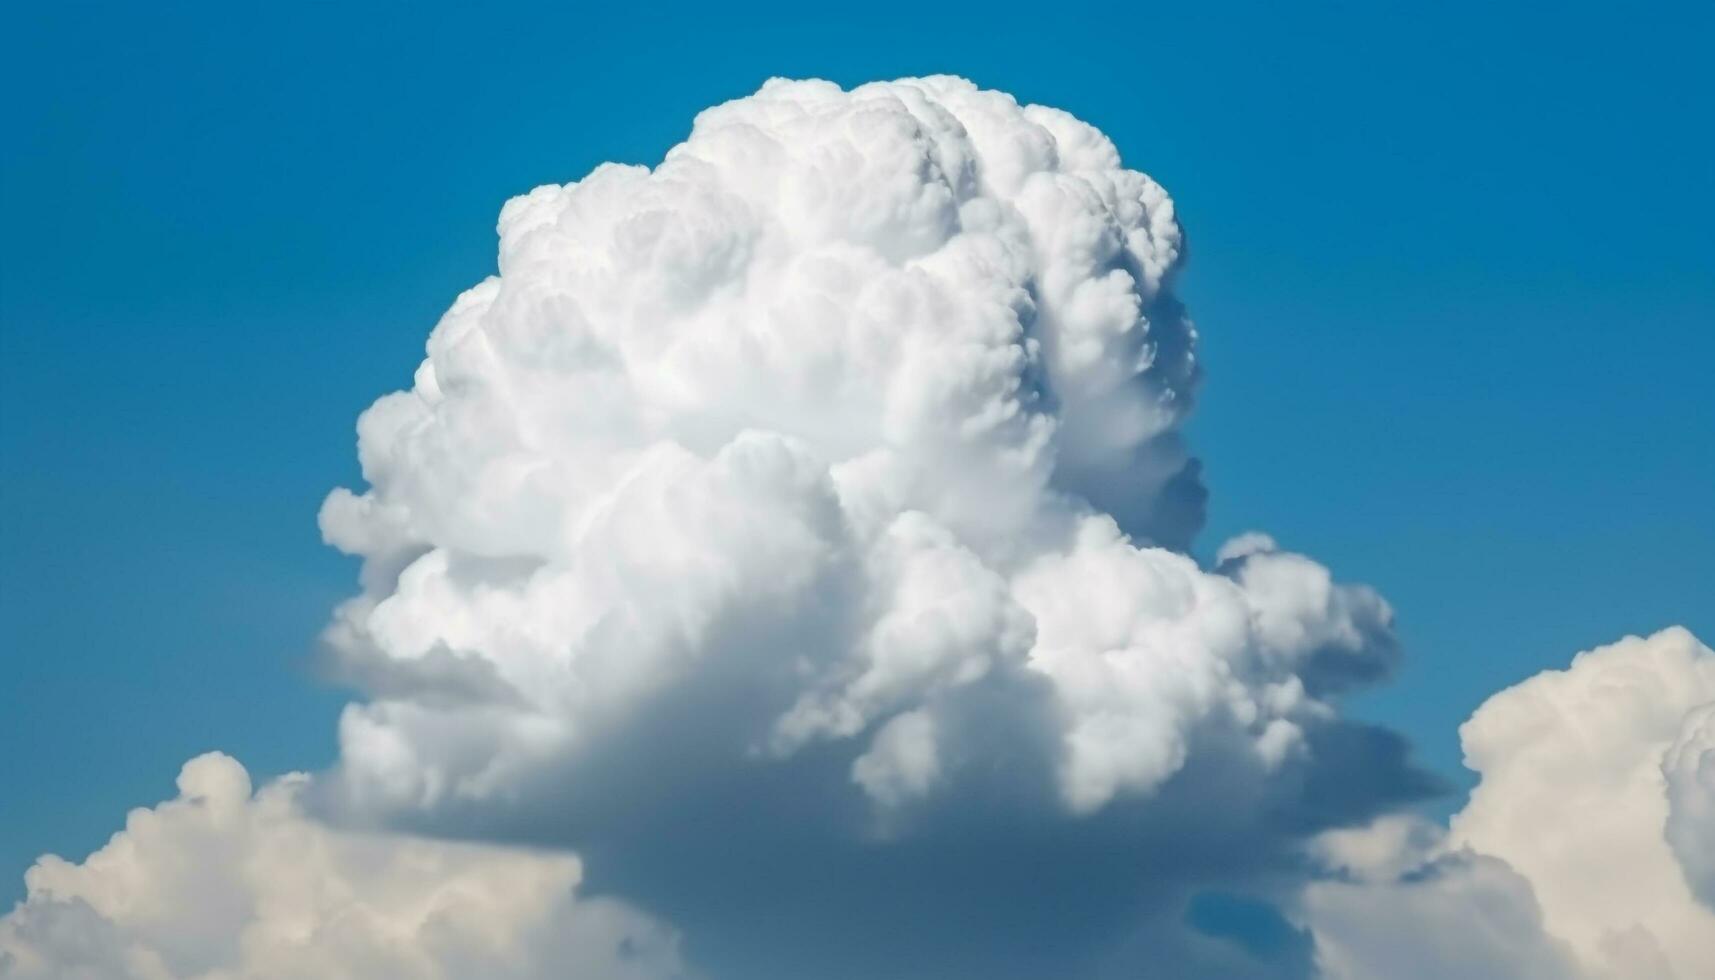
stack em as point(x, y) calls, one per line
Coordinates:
point(828, 475)
point(220, 884)
point(830, 398)
point(1579, 851)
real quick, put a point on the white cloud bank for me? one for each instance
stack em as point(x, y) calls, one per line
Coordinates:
point(220, 884)
point(1579, 853)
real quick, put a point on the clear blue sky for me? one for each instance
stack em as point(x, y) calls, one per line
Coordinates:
point(1452, 262)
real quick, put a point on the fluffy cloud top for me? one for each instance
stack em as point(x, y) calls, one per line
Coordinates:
point(1579, 851)
point(220, 884)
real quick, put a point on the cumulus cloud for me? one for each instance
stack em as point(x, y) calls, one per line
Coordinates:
point(1580, 850)
point(222, 884)
point(822, 488)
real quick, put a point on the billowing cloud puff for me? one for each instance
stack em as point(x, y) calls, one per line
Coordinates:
point(220, 884)
point(1579, 851)
point(824, 485)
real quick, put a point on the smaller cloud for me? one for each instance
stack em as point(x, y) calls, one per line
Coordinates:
point(220, 883)
point(1579, 851)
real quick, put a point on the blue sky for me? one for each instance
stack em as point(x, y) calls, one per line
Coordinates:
point(1451, 267)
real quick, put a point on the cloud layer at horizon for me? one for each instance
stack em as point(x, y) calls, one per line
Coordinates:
point(798, 532)
point(222, 883)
